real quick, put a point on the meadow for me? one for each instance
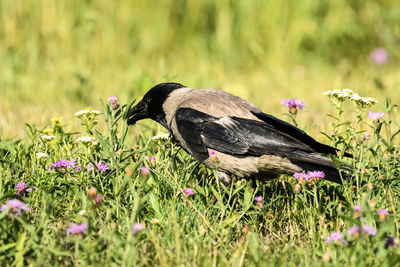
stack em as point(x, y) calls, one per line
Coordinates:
point(78, 187)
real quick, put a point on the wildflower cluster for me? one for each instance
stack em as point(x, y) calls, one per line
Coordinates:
point(347, 94)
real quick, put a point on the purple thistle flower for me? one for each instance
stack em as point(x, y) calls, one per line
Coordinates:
point(293, 104)
point(357, 208)
point(259, 200)
point(89, 167)
point(355, 230)
point(334, 237)
point(20, 187)
point(153, 159)
point(76, 229)
point(375, 115)
point(102, 167)
point(301, 175)
point(136, 228)
point(114, 101)
point(15, 207)
point(63, 165)
point(379, 56)
point(98, 199)
point(78, 169)
point(383, 212)
point(144, 171)
point(368, 230)
point(188, 191)
point(315, 174)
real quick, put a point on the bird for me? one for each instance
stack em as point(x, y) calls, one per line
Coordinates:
point(233, 136)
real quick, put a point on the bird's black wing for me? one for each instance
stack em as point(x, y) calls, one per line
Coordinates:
point(234, 135)
point(284, 127)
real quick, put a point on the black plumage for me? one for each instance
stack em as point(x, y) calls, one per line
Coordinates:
point(248, 142)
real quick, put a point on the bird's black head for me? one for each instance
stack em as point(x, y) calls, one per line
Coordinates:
point(150, 107)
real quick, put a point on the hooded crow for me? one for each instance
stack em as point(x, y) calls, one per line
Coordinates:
point(246, 141)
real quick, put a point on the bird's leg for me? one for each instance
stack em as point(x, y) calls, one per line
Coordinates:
point(224, 178)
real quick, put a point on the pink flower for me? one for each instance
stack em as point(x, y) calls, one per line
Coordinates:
point(136, 228)
point(63, 164)
point(368, 230)
point(15, 207)
point(379, 56)
point(293, 104)
point(144, 171)
point(22, 188)
point(89, 167)
point(114, 102)
point(374, 116)
point(98, 199)
point(259, 200)
point(383, 212)
point(188, 191)
point(316, 174)
point(301, 175)
point(76, 229)
point(334, 237)
point(355, 230)
point(102, 167)
point(357, 208)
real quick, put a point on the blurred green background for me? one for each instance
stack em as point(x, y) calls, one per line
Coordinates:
point(57, 57)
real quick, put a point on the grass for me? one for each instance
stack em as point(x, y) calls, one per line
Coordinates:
point(58, 57)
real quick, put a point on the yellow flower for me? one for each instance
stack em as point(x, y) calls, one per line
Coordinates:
point(57, 120)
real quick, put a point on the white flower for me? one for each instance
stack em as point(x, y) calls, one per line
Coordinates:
point(86, 112)
point(48, 137)
point(161, 136)
point(87, 139)
point(40, 155)
point(368, 100)
point(355, 97)
point(83, 213)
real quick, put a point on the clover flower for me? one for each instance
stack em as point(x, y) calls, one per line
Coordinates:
point(259, 200)
point(293, 104)
point(114, 102)
point(144, 171)
point(383, 213)
point(86, 112)
point(76, 229)
point(14, 207)
point(334, 237)
point(355, 230)
point(87, 140)
point(368, 230)
point(160, 136)
point(21, 187)
point(40, 155)
point(374, 116)
point(63, 164)
point(379, 56)
point(137, 228)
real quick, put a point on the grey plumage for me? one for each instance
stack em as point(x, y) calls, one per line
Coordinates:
point(246, 141)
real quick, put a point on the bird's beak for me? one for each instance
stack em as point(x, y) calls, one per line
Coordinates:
point(137, 113)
